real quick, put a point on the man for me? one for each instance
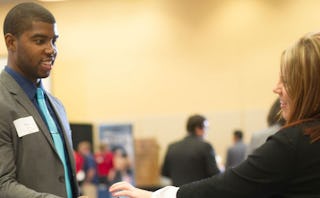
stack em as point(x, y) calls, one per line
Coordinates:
point(275, 122)
point(104, 161)
point(236, 153)
point(191, 158)
point(88, 186)
point(36, 156)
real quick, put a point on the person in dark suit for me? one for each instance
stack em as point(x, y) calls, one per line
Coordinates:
point(191, 158)
point(32, 165)
point(288, 163)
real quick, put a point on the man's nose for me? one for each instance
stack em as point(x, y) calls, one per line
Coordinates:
point(51, 49)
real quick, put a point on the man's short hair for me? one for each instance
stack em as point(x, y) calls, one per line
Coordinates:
point(238, 134)
point(20, 18)
point(195, 121)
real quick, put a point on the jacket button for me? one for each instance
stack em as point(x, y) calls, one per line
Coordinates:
point(61, 179)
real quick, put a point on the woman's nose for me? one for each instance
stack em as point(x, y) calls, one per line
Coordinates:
point(277, 88)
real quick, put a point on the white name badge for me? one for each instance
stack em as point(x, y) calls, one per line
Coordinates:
point(25, 126)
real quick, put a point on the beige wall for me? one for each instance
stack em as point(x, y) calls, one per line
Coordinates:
point(152, 63)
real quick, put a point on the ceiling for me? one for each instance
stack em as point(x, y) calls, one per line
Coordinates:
point(18, 1)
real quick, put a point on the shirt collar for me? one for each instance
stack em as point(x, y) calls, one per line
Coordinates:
point(28, 87)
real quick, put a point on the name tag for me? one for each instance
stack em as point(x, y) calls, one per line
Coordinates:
point(25, 126)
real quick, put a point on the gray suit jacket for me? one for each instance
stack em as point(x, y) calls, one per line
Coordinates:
point(236, 154)
point(29, 165)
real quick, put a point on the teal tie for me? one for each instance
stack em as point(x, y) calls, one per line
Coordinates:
point(55, 136)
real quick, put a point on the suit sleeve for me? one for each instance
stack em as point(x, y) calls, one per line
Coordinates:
point(264, 172)
point(165, 166)
point(228, 160)
point(211, 164)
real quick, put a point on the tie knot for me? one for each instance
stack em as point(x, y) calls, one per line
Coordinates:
point(40, 94)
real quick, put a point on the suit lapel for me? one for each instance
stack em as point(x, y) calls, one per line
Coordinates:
point(64, 125)
point(22, 98)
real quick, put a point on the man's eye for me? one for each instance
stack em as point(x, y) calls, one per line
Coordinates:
point(39, 41)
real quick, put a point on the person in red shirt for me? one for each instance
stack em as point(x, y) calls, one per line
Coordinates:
point(79, 161)
point(104, 161)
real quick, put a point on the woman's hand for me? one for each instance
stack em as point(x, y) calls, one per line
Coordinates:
point(126, 189)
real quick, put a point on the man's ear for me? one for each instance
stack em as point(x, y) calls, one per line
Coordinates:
point(10, 42)
point(199, 131)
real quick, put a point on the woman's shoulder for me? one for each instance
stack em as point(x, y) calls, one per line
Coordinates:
point(295, 133)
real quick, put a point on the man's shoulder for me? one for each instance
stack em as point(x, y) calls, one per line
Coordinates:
point(56, 101)
point(237, 147)
point(203, 145)
point(190, 142)
point(176, 143)
point(7, 97)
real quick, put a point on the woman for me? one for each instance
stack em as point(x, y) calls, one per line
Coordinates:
point(288, 164)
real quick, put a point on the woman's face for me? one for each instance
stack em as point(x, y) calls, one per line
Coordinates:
point(285, 101)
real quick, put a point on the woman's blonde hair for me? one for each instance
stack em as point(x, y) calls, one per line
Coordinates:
point(300, 74)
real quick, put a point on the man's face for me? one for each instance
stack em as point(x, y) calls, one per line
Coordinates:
point(35, 51)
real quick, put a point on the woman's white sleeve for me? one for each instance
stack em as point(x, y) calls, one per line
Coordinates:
point(166, 192)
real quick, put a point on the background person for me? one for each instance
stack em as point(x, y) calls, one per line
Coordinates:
point(104, 161)
point(275, 122)
point(89, 184)
point(191, 158)
point(237, 152)
point(122, 167)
